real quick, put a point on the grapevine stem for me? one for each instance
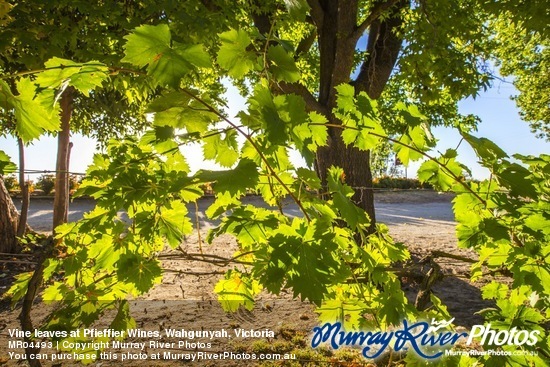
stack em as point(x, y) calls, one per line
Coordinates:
point(254, 145)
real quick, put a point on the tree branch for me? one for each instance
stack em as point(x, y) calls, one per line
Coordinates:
point(382, 53)
point(437, 253)
point(376, 11)
point(305, 45)
point(317, 12)
point(210, 5)
point(311, 102)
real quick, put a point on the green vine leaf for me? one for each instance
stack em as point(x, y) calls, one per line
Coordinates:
point(302, 256)
point(234, 55)
point(123, 319)
point(179, 110)
point(440, 174)
point(282, 65)
point(83, 76)
point(167, 61)
point(6, 165)
point(139, 272)
point(236, 181)
point(416, 141)
point(33, 118)
point(356, 217)
point(173, 223)
point(224, 150)
point(343, 308)
point(237, 290)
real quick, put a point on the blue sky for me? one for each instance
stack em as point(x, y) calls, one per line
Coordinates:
point(500, 123)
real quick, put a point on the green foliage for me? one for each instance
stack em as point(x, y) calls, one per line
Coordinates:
point(505, 220)
point(167, 61)
point(234, 55)
point(11, 183)
point(442, 173)
point(34, 116)
point(6, 165)
point(325, 255)
point(106, 259)
point(359, 116)
point(401, 183)
point(46, 183)
point(526, 62)
point(60, 73)
point(236, 290)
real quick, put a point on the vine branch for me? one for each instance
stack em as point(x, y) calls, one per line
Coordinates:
point(254, 145)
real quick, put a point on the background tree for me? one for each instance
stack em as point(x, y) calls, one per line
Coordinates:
point(9, 217)
point(8, 127)
point(46, 183)
point(77, 32)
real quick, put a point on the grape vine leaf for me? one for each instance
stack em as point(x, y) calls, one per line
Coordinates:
point(19, 287)
point(249, 225)
point(6, 165)
point(123, 319)
point(347, 310)
point(167, 61)
point(83, 76)
point(32, 116)
point(413, 143)
point(236, 181)
point(179, 110)
point(282, 66)
point(537, 222)
point(173, 223)
point(234, 54)
point(341, 196)
point(346, 97)
point(486, 150)
point(138, 271)
point(310, 135)
point(309, 177)
point(55, 292)
point(440, 174)
point(236, 290)
point(222, 150)
point(303, 256)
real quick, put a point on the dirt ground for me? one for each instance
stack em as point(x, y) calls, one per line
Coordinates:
point(422, 220)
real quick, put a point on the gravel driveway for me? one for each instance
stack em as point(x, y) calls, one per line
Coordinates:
point(40, 212)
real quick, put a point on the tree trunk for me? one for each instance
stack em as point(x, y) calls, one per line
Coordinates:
point(357, 170)
point(61, 197)
point(25, 194)
point(8, 221)
point(338, 34)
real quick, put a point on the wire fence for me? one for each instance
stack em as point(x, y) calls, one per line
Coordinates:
point(38, 172)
